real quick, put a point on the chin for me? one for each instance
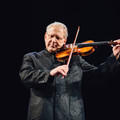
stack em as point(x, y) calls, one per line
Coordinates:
point(52, 50)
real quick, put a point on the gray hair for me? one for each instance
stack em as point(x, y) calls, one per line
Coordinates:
point(58, 24)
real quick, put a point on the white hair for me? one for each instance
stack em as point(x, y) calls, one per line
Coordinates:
point(58, 24)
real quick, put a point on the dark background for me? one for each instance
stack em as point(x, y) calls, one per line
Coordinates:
point(99, 21)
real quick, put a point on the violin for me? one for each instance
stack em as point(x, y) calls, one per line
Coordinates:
point(84, 49)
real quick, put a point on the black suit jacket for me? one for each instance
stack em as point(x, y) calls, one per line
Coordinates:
point(54, 98)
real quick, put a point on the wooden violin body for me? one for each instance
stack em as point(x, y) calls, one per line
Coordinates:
point(84, 49)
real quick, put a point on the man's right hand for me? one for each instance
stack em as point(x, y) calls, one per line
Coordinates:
point(63, 70)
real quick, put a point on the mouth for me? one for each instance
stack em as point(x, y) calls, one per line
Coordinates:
point(53, 46)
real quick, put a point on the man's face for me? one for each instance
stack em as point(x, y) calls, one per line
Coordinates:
point(55, 39)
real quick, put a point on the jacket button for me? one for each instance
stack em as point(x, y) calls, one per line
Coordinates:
point(57, 95)
point(57, 83)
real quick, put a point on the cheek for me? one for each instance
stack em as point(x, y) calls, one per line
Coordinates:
point(47, 41)
point(61, 43)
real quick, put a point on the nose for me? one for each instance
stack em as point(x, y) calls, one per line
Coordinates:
point(54, 39)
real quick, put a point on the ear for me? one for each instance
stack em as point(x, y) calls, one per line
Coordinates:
point(65, 41)
point(45, 35)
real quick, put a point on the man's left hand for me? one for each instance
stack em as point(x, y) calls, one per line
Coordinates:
point(116, 49)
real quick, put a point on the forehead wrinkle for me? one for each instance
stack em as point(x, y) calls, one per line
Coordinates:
point(55, 31)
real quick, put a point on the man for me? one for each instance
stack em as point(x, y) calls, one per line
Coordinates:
point(51, 96)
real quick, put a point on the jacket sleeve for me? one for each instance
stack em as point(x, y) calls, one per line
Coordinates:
point(104, 70)
point(32, 77)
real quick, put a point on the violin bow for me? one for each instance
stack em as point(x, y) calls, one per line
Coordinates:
point(69, 58)
point(73, 46)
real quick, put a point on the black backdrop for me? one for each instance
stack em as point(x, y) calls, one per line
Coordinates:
point(99, 21)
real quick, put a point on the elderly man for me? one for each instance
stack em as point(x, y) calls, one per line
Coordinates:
point(51, 96)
